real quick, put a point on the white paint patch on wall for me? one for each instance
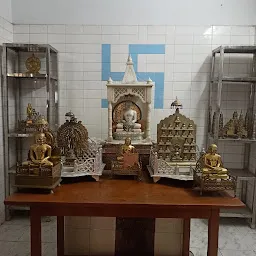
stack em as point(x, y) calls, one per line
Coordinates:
point(6, 9)
point(134, 12)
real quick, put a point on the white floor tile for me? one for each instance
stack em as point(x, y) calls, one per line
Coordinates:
point(236, 237)
point(237, 253)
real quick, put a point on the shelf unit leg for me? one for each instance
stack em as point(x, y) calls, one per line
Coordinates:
point(186, 237)
point(213, 233)
point(253, 219)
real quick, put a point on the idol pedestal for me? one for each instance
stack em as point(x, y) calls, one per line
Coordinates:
point(110, 150)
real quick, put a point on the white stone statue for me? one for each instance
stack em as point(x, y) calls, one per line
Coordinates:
point(129, 123)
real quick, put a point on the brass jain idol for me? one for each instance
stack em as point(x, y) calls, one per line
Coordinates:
point(212, 165)
point(34, 122)
point(126, 148)
point(210, 175)
point(42, 169)
point(40, 152)
point(127, 161)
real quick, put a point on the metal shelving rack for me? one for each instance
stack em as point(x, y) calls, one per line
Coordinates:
point(20, 88)
point(243, 175)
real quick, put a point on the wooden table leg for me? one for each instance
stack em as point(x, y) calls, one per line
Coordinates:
point(186, 237)
point(35, 232)
point(213, 233)
point(60, 235)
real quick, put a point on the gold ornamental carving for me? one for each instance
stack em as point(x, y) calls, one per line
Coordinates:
point(176, 137)
point(33, 64)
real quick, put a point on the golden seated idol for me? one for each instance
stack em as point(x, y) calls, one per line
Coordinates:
point(212, 165)
point(43, 168)
point(40, 152)
point(127, 148)
point(127, 161)
point(210, 175)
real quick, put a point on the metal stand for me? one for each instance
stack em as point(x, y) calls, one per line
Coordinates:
point(19, 88)
point(218, 78)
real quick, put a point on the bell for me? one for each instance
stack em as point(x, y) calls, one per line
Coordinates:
point(176, 104)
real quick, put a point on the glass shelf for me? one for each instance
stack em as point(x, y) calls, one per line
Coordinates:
point(28, 76)
point(20, 135)
point(236, 213)
point(234, 140)
point(229, 79)
point(236, 49)
point(242, 174)
point(21, 88)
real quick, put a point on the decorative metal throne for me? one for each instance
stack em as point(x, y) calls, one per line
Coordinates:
point(82, 156)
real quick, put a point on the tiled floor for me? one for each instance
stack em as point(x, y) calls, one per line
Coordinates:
point(236, 238)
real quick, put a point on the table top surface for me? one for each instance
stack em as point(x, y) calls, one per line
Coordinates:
point(123, 192)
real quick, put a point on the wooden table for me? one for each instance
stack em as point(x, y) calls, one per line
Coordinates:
point(123, 198)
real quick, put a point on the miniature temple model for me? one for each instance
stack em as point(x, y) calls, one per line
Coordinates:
point(129, 107)
point(210, 175)
point(127, 161)
point(81, 155)
point(175, 154)
point(238, 127)
point(235, 127)
point(42, 169)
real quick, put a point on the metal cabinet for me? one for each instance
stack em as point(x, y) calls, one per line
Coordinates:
point(20, 87)
point(221, 57)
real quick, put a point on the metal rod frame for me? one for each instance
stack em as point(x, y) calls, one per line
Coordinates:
point(221, 50)
point(48, 50)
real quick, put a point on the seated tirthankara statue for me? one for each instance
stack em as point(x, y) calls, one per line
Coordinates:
point(126, 148)
point(40, 152)
point(127, 160)
point(129, 123)
point(34, 121)
point(42, 169)
point(129, 126)
point(212, 164)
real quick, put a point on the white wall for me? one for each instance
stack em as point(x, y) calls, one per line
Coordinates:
point(185, 64)
point(6, 9)
point(134, 12)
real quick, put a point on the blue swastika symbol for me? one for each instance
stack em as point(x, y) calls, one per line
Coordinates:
point(134, 51)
